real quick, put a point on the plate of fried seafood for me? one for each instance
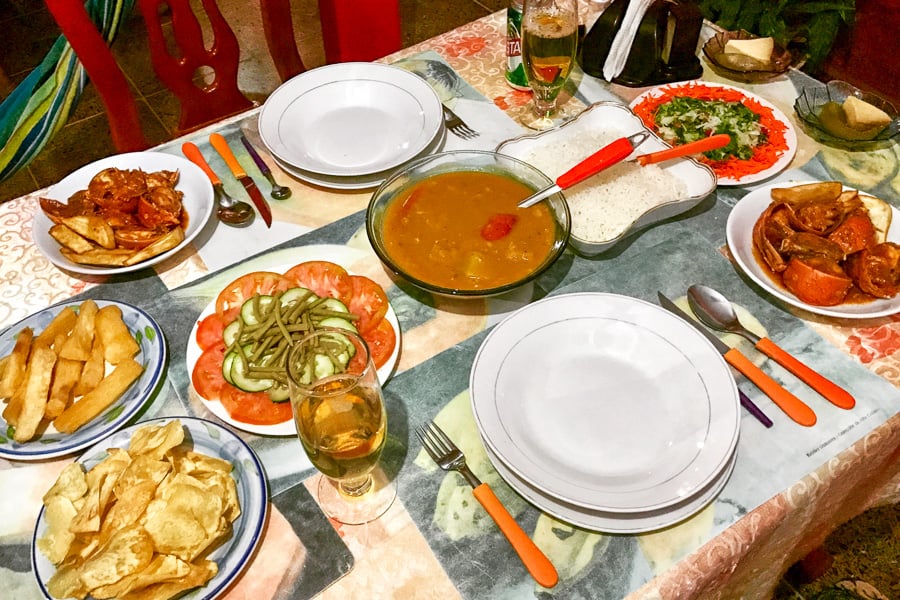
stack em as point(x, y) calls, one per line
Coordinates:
point(73, 373)
point(172, 507)
point(123, 213)
point(820, 246)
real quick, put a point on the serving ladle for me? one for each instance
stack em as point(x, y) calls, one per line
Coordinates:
point(229, 210)
point(715, 311)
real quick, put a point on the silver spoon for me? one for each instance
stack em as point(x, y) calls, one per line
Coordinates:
point(279, 192)
point(229, 210)
point(715, 311)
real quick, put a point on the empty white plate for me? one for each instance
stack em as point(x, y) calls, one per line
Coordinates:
point(605, 402)
point(350, 119)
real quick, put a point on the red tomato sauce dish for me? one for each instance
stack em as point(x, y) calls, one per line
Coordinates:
point(318, 293)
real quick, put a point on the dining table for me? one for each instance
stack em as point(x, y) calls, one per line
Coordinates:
point(791, 486)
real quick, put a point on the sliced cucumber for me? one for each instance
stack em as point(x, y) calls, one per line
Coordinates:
point(339, 323)
point(226, 366)
point(230, 333)
point(292, 295)
point(334, 305)
point(254, 309)
point(240, 379)
point(279, 393)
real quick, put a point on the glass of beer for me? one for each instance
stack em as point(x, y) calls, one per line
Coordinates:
point(341, 422)
point(549, 41)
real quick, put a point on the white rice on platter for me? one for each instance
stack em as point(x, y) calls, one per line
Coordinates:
point(604, 206)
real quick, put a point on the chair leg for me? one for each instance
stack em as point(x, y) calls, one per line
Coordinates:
point(101, 67)
point(359, 31)
point(279, 31)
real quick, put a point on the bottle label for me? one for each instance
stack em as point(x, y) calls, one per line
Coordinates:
point(515, 70)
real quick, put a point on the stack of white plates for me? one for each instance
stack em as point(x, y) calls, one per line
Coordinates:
point(606, 411)
point(349, 125)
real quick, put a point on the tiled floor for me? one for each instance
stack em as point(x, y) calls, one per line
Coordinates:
point(867, 548)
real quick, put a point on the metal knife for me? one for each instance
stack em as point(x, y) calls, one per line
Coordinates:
point(792, 406)
point(221, 145)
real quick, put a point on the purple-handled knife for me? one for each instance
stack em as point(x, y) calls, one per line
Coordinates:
point(279, 192)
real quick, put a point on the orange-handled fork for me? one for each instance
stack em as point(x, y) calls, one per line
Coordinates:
point(449, 457)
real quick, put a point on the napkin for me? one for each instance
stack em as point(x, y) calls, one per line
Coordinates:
point(621, 46)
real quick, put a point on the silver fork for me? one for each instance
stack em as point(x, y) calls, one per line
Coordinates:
point(456, 125)
point(449, 457)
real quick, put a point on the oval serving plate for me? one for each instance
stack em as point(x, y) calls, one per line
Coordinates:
point(769, 114)
point(152, 356)
point(198, 201)
point(341, 255)
point(213, 440)
point(739, 234)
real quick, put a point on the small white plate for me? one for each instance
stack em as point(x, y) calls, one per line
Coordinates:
point(340, 255)
point(152, 355)
point(739, 234)
point(605, 402)
point(790, 134)
point(198, 201)
point(608, 522)
point(350, 119)
point(213, 440)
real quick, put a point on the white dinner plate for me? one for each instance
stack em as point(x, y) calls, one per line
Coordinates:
point(610, 522)
point(790, 134)
point(739, 233)
point(211, 439)
point(152, 355)
point(344, 256)
point(361, 182)
point(350, 119)
point(198, 202)
point(606, 402)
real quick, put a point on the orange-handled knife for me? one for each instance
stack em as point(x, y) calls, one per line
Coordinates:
point(792, 406)
point(221, 145)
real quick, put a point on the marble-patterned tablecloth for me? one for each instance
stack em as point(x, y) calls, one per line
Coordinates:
point(790, 487)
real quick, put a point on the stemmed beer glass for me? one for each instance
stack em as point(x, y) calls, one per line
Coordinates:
point(341, 422)
point(549, 41)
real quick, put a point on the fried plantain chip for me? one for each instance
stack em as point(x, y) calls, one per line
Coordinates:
point(808, 192)
point(93, 228)
point(163, 244)
point(118, 342)
point(58, 329)
point(201, 572)
point(156, 441)
point(14, 372)
point(128, 551)
point(70, 239)
point(93, 369)
point(164, 568)
point(65, 377)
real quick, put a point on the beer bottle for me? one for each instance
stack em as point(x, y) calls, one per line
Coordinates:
point(515, 70)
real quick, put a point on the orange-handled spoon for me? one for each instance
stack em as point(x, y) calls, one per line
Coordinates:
point(714, 310)
point(712, 142)
point(230, 211)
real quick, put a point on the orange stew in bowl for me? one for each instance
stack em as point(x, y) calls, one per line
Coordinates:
point(463, 230)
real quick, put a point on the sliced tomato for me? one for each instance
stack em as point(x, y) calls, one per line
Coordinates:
point(382, 340)
point(209, 331)
point(498, 226)
point(207, 375)
point(254, 408)
point(230, 299)
point(368, 302)
point(324, 278)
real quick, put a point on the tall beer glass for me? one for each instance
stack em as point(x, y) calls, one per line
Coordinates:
point(549, 41)
point(341, 422)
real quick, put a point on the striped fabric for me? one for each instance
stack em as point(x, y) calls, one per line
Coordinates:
point(42, 103)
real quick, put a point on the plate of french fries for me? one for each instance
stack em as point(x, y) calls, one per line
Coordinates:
point(170, 507)
point(123, 213)
point(74, 373)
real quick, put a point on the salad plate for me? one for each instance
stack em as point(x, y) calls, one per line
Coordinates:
point(344, 256)
point(769, 158)
point(350, 119)
point(208, 438)
point(610, 522)
point(739, 235)
point(152, 356)
point(632, 410)
point(198, 203)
